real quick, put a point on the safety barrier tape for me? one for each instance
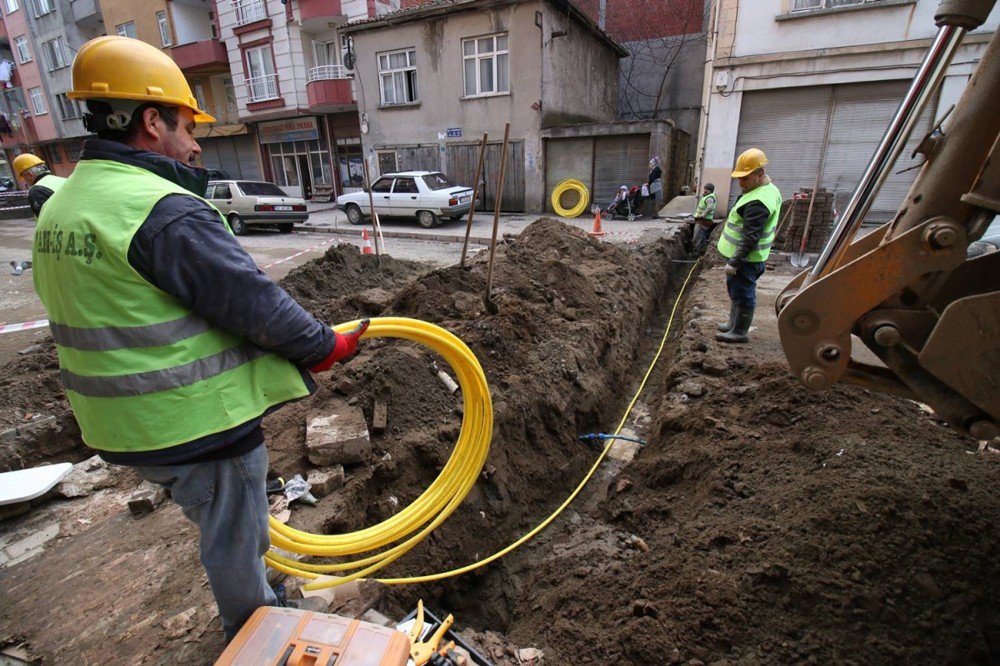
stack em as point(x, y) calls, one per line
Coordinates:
point(25, 326)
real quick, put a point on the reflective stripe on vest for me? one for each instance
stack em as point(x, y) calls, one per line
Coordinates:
point(732, 231)
point(141, 371)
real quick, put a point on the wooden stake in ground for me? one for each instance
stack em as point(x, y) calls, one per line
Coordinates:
point(371, 205)
point(475, 197)
point(488, 300)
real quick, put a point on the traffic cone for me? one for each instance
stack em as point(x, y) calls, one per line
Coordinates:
point(366, 242)
point(597, 231)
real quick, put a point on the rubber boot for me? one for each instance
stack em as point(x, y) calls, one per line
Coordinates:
point(727, 326)
point(744, 317)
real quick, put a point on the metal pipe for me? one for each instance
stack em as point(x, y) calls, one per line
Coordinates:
point(925, 84)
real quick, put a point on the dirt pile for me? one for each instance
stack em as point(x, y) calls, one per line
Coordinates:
point(783, 526)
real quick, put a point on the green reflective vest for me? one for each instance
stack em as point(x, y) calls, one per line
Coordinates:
point(706, 207)
point(729, 241)
point(141, 371)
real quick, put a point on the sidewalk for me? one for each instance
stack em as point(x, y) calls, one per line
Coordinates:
point(324, 219)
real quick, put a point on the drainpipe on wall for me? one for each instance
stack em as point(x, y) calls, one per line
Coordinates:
point(706, 91)
point(602, 15)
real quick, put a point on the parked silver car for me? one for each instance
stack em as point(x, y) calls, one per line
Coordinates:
point(250, 202)
point(425, 195)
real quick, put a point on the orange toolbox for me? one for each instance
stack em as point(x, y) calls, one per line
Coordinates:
point(290, 637)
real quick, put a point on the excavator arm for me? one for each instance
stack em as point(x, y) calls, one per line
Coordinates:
point(907, 290)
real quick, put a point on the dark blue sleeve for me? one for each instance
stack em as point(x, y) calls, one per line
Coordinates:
point(37, 196)
point(184, 249)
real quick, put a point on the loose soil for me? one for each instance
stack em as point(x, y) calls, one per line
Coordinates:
point(760, 523)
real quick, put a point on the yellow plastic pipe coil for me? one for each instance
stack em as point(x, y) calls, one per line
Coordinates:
point(570, 184)
point(372, 548)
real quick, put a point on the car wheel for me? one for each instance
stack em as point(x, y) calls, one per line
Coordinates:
point(238, 225)
point(354, 214)
point(285, 228)
point(427, 219)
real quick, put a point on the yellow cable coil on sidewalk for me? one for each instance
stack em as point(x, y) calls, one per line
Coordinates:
point(570, 185)
point(384, 543)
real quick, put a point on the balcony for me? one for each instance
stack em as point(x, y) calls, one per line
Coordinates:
point(207, 55)
point(329, 89)
point(86, 12)
point(310, 9)
point(262, 88)
point(250, 11)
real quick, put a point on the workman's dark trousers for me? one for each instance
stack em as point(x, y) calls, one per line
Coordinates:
point(742, 287)
point(701, 236)
point(227, 499)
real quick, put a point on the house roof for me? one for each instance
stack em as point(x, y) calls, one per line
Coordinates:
point(436, 8)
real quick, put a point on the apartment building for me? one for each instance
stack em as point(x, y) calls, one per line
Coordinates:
point(814, 84)
point(40, 38)
point(188, 31)
point(292, 84)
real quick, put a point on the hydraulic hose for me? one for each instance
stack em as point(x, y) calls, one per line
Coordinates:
point(451, 485)
point(385, 542)
point(570, 184)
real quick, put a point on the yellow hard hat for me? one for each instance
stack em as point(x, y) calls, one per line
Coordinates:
point(114, 67)
point(748, 162)
point(25, 161)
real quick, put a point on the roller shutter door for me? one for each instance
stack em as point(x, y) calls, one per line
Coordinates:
point(619, 160)
point(236, 155)
point(789, 126)
point(567, 158)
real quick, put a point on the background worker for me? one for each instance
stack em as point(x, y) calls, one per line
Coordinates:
point(746, 241)
point(40, 180)
point(172, 344)
point(704, 219)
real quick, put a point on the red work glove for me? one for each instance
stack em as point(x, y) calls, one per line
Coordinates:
point(345, 345)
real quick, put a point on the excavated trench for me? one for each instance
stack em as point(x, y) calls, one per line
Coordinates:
point(759, 524)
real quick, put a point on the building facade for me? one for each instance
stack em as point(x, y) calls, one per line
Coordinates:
point(434, 78)
point(41, 40)
point(814, 83)
point(292, 85)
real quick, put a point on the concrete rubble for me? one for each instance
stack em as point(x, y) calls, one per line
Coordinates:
point(88, 476)
point(326, 481)
point(340, 438)
point(146, 498)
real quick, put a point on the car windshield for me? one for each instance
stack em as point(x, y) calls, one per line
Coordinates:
point(438, 181)
point(260, 189)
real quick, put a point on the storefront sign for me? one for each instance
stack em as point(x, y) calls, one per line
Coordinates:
point(290, 129)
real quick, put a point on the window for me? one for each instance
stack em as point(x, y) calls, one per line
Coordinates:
point(21, 46)
point(74, 149)
point(405, 186)
point(37, 100)
point(803, 5)
point(199, 94)
point(325, 53)
point(55, 53)
point(11, 6)
point(256, 189)
point(15, 97)
point(486, 65)
point(398, 74)
point(126, 29)
point(438, 181)
point(382, 185)
point(212, 24)
point(69, 108)
point(223, 192)
point(43, 7)
point(227, 85)
point(54, 154)
point(262, 82)
point(161, 19)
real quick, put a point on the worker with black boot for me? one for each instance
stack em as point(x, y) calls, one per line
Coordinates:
point(746, 242)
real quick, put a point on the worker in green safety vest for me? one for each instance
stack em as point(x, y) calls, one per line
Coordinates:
point(704, 220)
point(39, 178)
point(172, 344)
point(746, 242)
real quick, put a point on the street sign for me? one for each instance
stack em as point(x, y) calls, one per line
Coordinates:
point(454, 132)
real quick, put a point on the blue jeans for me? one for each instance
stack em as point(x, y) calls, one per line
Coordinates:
point(227, 500)
point(699, 243)
point(742, 287)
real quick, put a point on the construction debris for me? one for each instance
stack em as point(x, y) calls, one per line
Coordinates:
point(340, 438)
point(147, 497)
point(325, 481)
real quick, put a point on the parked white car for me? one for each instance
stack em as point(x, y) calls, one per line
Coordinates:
point(428, 196)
